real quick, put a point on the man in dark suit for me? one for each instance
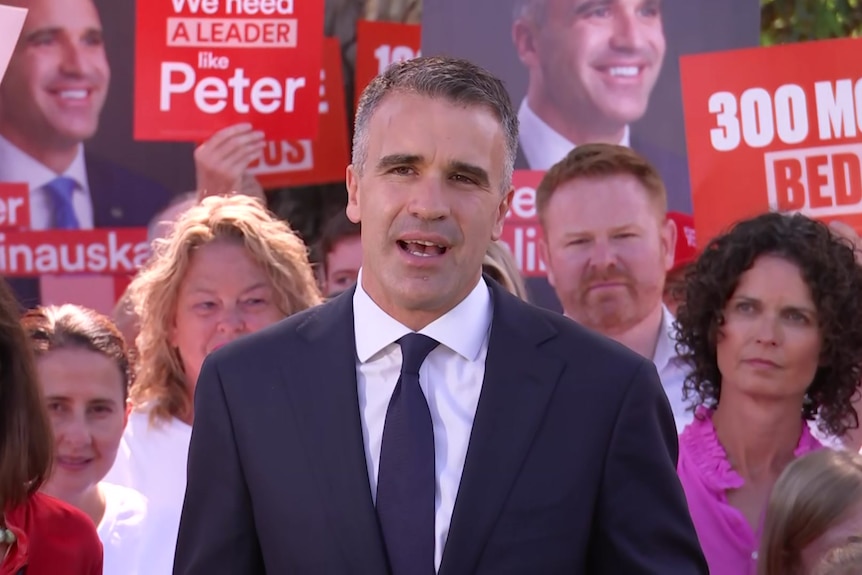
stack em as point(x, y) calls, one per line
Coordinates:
point(592, 68)
point(426, 420)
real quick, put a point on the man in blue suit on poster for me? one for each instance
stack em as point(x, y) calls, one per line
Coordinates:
point(50, 102)
point(592, 66)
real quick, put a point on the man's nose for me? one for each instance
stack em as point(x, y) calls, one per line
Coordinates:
point(602, 254)
point(428, 200)
point(73, 60)
point(627, 30)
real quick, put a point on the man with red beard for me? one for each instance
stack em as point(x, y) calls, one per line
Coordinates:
point(608, 245)
point(50, 102)
point(592, 65)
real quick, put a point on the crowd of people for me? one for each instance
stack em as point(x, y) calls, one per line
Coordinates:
point(231, 419)
point(401, 407)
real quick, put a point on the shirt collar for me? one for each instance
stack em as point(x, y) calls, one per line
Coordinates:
point(463, 329)
point(665, 349)
point(542, 145)
point(18, 166)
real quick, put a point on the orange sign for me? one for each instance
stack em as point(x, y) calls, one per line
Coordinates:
point(202, 65)
point(776, 128)
point(381, 44)
point(323, 159)
point(521, 231)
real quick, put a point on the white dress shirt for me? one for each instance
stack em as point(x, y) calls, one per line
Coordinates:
point(672, 370)
point(542, 145)
point(18, 167)
point(152, 460)
point(451, 379)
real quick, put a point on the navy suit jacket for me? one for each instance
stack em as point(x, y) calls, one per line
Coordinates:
point(121, 199)
point(571, 465)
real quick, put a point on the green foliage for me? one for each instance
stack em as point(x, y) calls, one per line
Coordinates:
point(783, 21)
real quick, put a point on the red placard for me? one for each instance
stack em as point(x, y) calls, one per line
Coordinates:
point(521, 230)
point(381, 44)
point(323, 159)
point(59, 252)
point(202, 65)
point(14, 206)
point(776, 128)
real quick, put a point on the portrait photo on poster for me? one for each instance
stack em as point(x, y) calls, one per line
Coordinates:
point(585, 71)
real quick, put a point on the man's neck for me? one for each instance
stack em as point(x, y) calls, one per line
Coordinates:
point(643, 336)
point(56, 158)
point(576, 130)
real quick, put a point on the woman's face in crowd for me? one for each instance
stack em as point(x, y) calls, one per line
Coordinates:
point(769, 345)
point(83, 392)
point(223, 296)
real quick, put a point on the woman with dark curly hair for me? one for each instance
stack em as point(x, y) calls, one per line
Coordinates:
point(772, 329)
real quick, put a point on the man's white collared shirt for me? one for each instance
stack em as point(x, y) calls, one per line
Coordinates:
point(451, 379)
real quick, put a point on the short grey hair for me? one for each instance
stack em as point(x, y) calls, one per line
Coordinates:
point(535, 10)
point(453, 79)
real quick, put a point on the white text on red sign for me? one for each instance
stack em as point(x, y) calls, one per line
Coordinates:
point(758, 117)
point(819, 182)
point(244, 7)
point(67, 252)
point(387, 55)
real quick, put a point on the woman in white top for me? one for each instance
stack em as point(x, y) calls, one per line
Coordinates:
point(227, 269)
point(84, 373)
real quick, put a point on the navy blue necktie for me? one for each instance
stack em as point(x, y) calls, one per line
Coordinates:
point(406, 480)
point(60, 191)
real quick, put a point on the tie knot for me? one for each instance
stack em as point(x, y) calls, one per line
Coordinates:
point(62, 188)
point(415, 347)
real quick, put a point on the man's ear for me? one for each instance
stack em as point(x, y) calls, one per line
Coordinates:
point(353, 211)
point(500, 216)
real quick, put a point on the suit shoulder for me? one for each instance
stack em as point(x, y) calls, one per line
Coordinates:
point(574, 342)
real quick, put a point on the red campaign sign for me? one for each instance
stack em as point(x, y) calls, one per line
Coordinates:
point(202, 65)
point(521, 230)
point(58, 252)
point(323, 159)
point(14, 206)
point(381, 44)
point(776, 128)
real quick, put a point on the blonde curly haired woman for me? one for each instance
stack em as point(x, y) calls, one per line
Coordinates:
point(228, 268)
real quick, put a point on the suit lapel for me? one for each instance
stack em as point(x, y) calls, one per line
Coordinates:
point(323, 391)
point(519, 382)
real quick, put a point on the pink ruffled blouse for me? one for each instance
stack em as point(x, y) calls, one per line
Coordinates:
point(727, 539)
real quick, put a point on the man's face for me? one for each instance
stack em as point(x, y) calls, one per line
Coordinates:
point(430, 198)
point(598, 60)
point(58, 78)
point(342, 264)
point(607, 248)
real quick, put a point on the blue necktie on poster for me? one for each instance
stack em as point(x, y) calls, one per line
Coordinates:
point(11, 23)
point(60, 191)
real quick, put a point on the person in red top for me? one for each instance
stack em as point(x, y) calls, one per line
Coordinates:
point(39, 535)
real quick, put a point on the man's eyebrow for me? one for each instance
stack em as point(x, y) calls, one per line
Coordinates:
point(393, 160)
point(477, 173)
